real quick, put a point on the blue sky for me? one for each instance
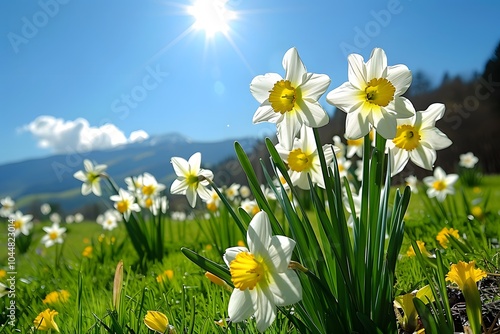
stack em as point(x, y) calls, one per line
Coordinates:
point(140, 65)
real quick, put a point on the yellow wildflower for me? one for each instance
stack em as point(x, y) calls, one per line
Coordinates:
point(87, 251)
point(459, 273)
point(54, 297)
point(45, 321)
point(442, 236)
point(421, 247)
point(156, 321)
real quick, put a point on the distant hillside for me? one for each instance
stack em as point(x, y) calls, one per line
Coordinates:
point(51, 179)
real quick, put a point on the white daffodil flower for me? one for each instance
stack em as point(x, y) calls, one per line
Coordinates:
point(125, 203)
point(440, 185)
point(373, 95)
point(91, 177)
point(411, 181)
point(468, 160)
point(22, 223)
point(191, 179)
point(7, 206)
point(260, 274)
point(303, 159)
point(291, 101)
point(54, 235)
point(417, 139)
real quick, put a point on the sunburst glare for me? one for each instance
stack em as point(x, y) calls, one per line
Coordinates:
point(212, 16)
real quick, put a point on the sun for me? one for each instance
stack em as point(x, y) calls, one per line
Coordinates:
point(211, 16)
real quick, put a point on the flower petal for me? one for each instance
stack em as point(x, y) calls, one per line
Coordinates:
point(80, 175)
point(313, 114)
point(240, 305)
point(429, 116)
point(400, 77)
point(259, 234)
point(262, 84)
point(191, 195)
point(399, 161)
point(194, 163)
point(376, 66)
point(181, 166)
point(356, 72)
point(344, 97)
point(287, 129)
point(178, 187)
point(265, 310)
point(280, 252)
point(294, 67)
point(314, 86)
point(357, 126)
point(286, 288)
point(266, 113)
point(436, 139)
point(423, 156)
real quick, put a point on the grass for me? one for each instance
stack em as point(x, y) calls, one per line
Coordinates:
point(191, 302)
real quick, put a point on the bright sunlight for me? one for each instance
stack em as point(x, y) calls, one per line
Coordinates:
point(212, 16)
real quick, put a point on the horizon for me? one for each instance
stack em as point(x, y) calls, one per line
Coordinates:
point(83, 74)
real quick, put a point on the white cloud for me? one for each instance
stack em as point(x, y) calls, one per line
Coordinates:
point(78, 136)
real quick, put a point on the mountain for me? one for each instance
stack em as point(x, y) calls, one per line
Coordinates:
point(51, 179)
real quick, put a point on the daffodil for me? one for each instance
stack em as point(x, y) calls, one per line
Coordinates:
point(45, 209)
point(417, 139)
point(108, 221)
point(45, 321)
point(260, 274)
point(232, 191)
point(440, 185)
point(468, 160)
point(91, 177)
point(303, 159)
point(56, 297)
point(191, 179)
point(343, 166)
point(372, 96)
point(409, 319)
point(7, 206)
point(54, 235)
point(465, 275)
point(421, 248)
point(411, 181)
point(22, 223)
point(459, 273)
point(250, 206)
point(442, 236)
point(4, 290)
point(125, 203)
point(292, 101)
point(156, 321)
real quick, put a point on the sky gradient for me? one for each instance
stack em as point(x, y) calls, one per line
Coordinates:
point(142, 65)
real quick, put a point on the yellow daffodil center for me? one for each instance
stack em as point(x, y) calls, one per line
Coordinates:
point(380, 92)
point(283, 96)
point(18, 224)
point(407, 137)
point(246, 271)
point(122, 206)
point(299, 161)
point(148, 202)
point(148, 190)
point(439, 185)
point(53, 235)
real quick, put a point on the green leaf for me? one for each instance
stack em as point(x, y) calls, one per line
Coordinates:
point(208, 265)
